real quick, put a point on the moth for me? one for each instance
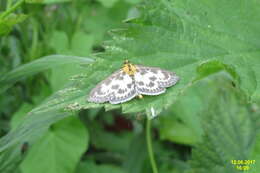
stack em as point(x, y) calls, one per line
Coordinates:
point(131, 81)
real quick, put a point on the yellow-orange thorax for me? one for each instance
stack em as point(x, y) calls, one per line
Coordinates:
point(129, 68)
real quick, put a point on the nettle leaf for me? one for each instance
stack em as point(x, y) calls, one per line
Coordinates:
point(182, 122)
point(230, 133)
point(233, 33)
point(190, 39)
point(64, 144)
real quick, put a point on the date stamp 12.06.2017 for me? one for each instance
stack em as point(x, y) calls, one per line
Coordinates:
point(243, 165)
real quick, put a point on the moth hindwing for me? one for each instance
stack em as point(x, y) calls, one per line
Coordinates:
point(130, 81)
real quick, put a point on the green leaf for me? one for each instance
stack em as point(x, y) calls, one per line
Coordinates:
point(230, 131)
point(91, 167)
point(18, 116)
point(41, 65)
point(34, 1)
point(103, 20)
point(177, 132)
point(214, 66)
point(59, 150)
point(160, 35)
point(182, 122)
point(46, 1)
point(59, 77)
point(133, 1)
point(59, 42)
point(38, 122)
point(32, 126)
point(188, 37)
point(136, 155)
point(81, 44)
point(10, 159)
point(255, 157)
point(102, 139)
point(7, 23)
point(108, 3)
point(25, 108)
point(29, 129)
point(233, 33)
point(166, 35)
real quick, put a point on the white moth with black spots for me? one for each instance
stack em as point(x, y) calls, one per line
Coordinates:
point(131, 81)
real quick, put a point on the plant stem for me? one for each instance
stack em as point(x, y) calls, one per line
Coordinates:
point(11, 9)
point(33, 49)
point(149, 145)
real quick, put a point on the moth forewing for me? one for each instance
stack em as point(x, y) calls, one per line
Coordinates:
point(117, 88)
point(126, 90)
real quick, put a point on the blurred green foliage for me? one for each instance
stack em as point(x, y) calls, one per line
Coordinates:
point(52, 52)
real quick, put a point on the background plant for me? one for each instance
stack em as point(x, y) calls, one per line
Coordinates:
point(209, 118)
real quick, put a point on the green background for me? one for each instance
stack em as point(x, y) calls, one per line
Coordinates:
point(53, 52)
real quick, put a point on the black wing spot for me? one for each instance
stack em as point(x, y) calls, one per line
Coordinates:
point(99, 92)
point(129, 85)
point(151, 84)
point(166, 75)
point(141, 83)
point(142, 72)
point(119, 77)
point(155, 71)
point(108, 81)
point(115, 87)
point(120, 91)
point(153, 78)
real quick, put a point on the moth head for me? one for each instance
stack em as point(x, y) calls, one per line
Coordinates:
point(126, 62)
point(129, 68)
